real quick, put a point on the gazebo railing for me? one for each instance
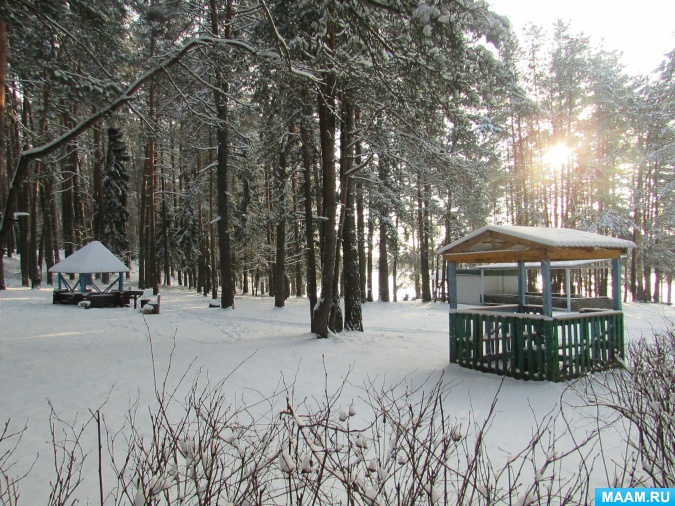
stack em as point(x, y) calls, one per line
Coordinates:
point(535, 347)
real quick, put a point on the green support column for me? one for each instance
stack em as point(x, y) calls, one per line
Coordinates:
point(546, 294)
point(83, 283)
point(522, 284)
point(616, 284)
point(452, 299)
point(452, 284)
point(568, 289)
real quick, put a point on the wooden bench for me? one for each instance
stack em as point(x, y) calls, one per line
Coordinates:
point(67, 297)
point(151, 306)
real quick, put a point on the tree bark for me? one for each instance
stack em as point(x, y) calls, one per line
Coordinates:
point(369, 259)
point(383, 265)
point(149, 220)
point(394, 264)
point(222, 169)
point(98, 180)
point(280, 202)
point(297, 240)
point(327, 126)
point(424, 243)
point(309, 225)
point(3, 81)
point(360, 218)
point(352, 288)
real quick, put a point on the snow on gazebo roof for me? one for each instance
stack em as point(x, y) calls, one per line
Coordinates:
point(94, 257)
point(562, 264)
point(495, 243)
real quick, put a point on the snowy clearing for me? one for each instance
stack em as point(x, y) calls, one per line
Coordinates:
point(75, 358)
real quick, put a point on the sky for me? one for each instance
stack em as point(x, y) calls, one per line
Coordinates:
point(644, 31)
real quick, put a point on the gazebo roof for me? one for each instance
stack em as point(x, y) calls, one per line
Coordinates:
point(496, 243)
point(94, 257)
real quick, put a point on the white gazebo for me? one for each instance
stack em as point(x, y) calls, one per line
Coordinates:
point(90, 259)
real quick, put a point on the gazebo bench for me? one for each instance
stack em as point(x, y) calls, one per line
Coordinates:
point(111, 299)
point(67, 297)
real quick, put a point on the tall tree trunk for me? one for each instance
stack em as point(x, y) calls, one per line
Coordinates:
point(222, 168)
point(98, 180)
point(29, 225)
point(280, 203)
point(203, 282)
point(212, 230)
point(68, 171)
point(226, 276)
point(142, 228)
point(297, 241)
point(383, 266)
point(3, 167)
point(352, 289)
point(148, 261)
point(269, 232)
point(149, 219)
point(394, 264)
point(424, 244)
point(46, 203)
point(24, 232)
point(361, 238)
point(327, 128)
point(360, 218)
point(34, 267)
point(166, 228)
point(309, 225)
point(369, 258)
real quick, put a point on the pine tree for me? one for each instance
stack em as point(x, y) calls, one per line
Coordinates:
point(115, 190)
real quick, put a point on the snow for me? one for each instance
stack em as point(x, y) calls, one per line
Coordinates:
point(94, 257)
point(77, 359)
point(554, 237)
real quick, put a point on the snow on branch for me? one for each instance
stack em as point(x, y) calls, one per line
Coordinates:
point(125, 97)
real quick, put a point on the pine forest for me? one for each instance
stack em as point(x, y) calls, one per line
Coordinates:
point(302, 148)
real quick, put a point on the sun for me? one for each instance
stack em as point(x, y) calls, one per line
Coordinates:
point(557, 155)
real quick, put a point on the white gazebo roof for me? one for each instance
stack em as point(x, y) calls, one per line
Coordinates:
point(496, 243)
point(94, 257)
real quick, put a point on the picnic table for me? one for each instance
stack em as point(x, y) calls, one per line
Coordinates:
point(127, 295)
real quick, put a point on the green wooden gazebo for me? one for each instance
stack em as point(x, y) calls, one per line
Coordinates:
point(528, 341)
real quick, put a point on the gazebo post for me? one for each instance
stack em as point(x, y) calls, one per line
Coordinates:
point(522, 283)
point(568, 289)
point(120, 284)
point(616, 284)
point(452, 284)
point(546, 288)
point(482, 287)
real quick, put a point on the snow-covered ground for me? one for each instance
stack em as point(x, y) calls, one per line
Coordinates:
point(75, 359)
